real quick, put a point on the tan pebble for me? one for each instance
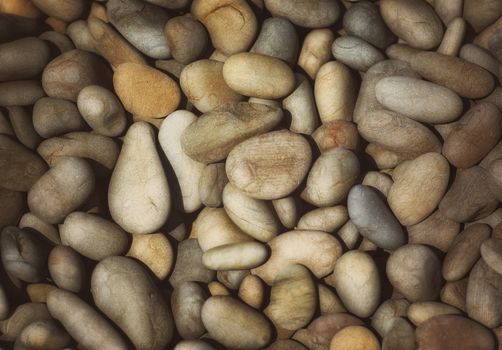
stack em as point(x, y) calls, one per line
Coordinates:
point(354, 338)
point(155, 251)
point(257, 75)
point(145, 91)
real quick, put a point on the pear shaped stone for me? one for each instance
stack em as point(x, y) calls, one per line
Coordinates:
point(138, 195)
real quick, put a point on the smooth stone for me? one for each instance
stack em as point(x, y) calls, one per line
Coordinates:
point(373, 218)
point(356, 53)
point(252, 291)
point(23, 59)
point(469, 197)
point(310, 14)
point(124, 291)
point(72, 71)
point(413, 21)
point(155, 251)
point(269, 166)
point(418, 99)
point(464, 251)
point(141, 24)
point(139, 201)
point(331, 177)
point(52, 117)
point(187, 170)
point(354, 338)
point(203, 84)
point(236, 123)
point(61, 190)
point(363, 20)
point(257, 75)
point(398, 133)
point(187, 300)
point(145, 91)
point(92, 236)
point(221, 17)
point(236, 256)
point(21, 167)
point(419, 186)
point(234, 324)
point(293, 298)
point(491, 251)
point(189, 267)
point(357, 283)
point(277, 38)
point(466, 79)
point(335, 90)
point(484, 295)
point(453, 332)
point(102, 110)
point(475, 134)
point(316, 250)
point(255, 217)
point(415, 271)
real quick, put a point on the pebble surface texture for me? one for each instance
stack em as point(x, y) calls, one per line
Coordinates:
point(251, 174)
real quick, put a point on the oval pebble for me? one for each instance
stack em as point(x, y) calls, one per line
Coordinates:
point(234, 324)
point(269, 166)
point(373, 218)
point(253, 74)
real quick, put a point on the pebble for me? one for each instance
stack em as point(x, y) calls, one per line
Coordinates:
point(357, 283)
point(139, 201)
point(234, 324)
point(72, 71)
point(373, 218)
point(140, 24)
point(453, 332)
point(145, 91)
point(269, 166)
point(257, 75)
point(414, 270)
